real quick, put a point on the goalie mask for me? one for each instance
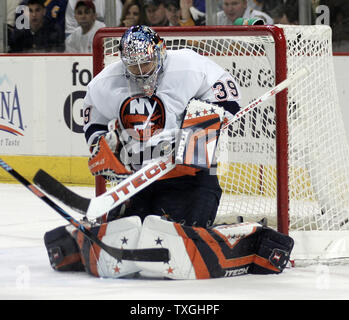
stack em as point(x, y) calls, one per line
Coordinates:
point(143, 53)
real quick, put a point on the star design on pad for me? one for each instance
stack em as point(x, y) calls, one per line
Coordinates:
point(124, 240)
point(117, 269)
point(169, 270)
point(158, 241)
point(200, 113)
point(118, 260)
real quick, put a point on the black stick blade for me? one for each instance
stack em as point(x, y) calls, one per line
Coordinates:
point(56, 189)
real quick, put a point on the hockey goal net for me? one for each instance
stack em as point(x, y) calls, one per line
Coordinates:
point(288, 160)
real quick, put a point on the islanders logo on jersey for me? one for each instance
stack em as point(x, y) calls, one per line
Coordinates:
point(145, 116)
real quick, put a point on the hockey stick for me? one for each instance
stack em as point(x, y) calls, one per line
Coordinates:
point(151, 254)
point(98, 206)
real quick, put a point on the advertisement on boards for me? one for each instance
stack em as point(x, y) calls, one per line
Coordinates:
point(41, 100)
point(16, 116)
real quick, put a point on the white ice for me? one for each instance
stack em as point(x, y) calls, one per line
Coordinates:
point(25, 272)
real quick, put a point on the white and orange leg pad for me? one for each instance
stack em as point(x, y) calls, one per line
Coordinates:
point(223, 251)
point(159, 233)
point(123, 234)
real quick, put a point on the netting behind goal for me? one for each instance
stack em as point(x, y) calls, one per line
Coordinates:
point(288, 159)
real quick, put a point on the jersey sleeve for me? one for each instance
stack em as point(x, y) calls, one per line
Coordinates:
point(221, 88)
point(95, 124)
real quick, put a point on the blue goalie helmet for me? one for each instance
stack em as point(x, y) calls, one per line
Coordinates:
point(143, 53)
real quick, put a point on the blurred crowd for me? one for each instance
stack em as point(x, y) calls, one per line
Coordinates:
point(70, 25)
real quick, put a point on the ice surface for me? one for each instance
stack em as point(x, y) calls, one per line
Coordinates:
point(25, 272)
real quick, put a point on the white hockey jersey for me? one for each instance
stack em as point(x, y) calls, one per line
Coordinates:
point(150, 120)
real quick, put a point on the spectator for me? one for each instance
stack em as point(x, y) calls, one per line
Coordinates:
point(278, 14)
point(55, 11)
point(175, 9)
point(191, 14)
point(256, 4)
point(291, 12)
point(70, 22)
point(200, 5)
point(42, 35)
point(155, 13)
point(193, 10)
point(173, 12)
point(198, 12)
point(81, 40)
point(265, 5)
point(339, 22)
point(132, 14)
point(234, 9)
point(285, 13)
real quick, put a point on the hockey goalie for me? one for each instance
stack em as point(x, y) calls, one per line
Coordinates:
point(152, 104)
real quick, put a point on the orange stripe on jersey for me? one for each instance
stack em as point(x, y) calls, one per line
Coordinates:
point(197, 261)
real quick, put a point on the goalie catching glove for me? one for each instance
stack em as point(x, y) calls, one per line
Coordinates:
point(105, 156)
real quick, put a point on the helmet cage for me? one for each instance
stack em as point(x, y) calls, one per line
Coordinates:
point(141, 46)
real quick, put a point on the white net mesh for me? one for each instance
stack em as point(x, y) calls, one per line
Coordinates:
point(318, 167)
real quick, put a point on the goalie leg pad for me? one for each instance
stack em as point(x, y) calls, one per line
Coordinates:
point(63, 252)
point(223, 251)
point(122, 233)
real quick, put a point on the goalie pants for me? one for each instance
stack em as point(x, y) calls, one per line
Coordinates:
point(190, 200)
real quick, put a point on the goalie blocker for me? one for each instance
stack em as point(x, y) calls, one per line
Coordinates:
point(195, 253)
point(198, 138)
